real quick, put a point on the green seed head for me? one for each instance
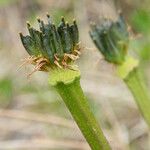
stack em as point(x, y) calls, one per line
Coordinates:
point(111, 38)
point(52, 46)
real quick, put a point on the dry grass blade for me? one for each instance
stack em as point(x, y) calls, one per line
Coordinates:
point(43, 144)
point(44, 118)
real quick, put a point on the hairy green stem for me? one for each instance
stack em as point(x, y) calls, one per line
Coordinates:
point(77, 104)
point(136, 84)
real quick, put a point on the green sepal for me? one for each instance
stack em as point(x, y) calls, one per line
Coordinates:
point(108, 52)
point(27, 43)
point(123, 26)
point(41, 24)
point(118, 35)
point(74, 33)
point(47, 48)
point(97, 40)
point(49, 36)
point(38, 42)
point(59, 48)
point(61, 25)
point(66, 40)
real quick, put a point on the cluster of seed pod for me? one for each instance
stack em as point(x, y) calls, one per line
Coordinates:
point(111, 38)
point(52, 46)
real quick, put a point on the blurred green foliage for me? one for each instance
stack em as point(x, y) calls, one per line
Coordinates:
point(140, 21)
point(7, 2)
point(145, 50)
point(6, 91)
point(58, 13)
point(29, 88)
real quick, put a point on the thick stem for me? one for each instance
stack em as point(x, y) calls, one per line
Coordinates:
point(77, 104)
point(136, 84)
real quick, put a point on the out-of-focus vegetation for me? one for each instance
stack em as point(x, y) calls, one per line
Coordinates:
point(140, 20)
point(6, 2)
point(6, 90)
point(33, 114)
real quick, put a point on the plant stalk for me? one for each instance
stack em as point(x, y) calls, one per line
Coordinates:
point(138, 88)
point(77, 104)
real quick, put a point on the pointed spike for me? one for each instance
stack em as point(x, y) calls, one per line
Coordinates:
point(67, 23)
point(38, 19)
point(20, 33)
point(54, 26)
point(74, 21)
point(49, 18)
point(47, 14)
point(28, 24)
point(63, 19)
point(21, 36)
point(41, 25)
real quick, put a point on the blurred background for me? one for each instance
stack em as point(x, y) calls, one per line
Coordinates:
point(32, 115)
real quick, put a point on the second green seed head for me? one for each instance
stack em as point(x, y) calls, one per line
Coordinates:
point(111, 38)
